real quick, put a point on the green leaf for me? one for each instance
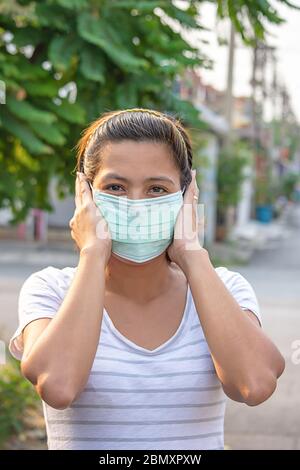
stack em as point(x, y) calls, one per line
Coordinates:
point(48, 89)
point(96, 31)
point(10, 70)
point(27, 137)
point(26, 36)
point(25, 159)
point(92, 64)
point(28, 112)
point(52, 16)
point(71, 112)
point(73, 4)
point(25, 70)
point(184, 18)
point(127, 94)
point(50, 134)
point(141, 6)
point(61, 51)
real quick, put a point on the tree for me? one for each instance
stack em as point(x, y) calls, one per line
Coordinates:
point(251, 17)
point(64, 62)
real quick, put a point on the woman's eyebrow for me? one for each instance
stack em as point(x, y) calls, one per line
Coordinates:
point(160, 178)
point(151, 178)
point(114, 176)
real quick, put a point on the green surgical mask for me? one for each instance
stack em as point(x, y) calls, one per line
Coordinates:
point(141, 229)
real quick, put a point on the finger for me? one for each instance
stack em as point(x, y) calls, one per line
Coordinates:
point(77, 192)
point(192, 190)
point(72, 221)
point(85, 191)
point(196, 189)
point(191, 207)
point(201, 229)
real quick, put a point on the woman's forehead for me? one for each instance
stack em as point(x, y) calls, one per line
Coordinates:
point(138, 161)
point(138, 156)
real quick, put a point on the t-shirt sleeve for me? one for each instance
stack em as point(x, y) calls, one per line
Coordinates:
point(39, 297)
point(241, 290)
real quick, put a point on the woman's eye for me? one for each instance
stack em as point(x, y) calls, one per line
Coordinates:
point(113, 187)
point(158, 190)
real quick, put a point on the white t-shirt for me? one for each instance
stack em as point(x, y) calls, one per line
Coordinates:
point(135, 398)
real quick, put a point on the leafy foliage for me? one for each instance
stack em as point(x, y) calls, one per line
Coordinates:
point(250, 17)
point(16, 395)
point(231, 164)
point(64, 62)
point(289, 185)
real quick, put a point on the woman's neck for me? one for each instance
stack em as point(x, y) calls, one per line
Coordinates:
point(141, 282)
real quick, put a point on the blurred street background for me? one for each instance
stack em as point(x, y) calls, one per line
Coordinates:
point(229, 71)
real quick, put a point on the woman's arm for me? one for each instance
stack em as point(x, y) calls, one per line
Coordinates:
point(58, 353)
point(246, 361)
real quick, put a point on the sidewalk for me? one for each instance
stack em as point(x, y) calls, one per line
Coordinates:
point(254, 236)
point(18, 260)
point(274, 273)
point(24, 253)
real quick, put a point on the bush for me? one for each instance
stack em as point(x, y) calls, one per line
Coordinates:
point(289, 183)
point(230, 176)
point(16, 396)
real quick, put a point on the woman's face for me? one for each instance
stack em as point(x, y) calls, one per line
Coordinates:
point(137, 170)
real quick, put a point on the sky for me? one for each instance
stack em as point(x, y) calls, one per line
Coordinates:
point(286, 38)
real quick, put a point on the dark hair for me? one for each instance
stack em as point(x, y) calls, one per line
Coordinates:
point(135, 124)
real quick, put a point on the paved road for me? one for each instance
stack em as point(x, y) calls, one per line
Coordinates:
point(275, 275)
point(275, 424)
point(17, 262)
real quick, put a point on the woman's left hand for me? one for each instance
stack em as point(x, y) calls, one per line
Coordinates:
point(188, 227)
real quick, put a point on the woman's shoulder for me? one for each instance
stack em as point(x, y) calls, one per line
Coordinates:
point(227, 274)
point(56, 273)
point(52, 272)
point(240, 288)
point(232, 279)
point(50, 277)
point(44, 290)
point(40, 296)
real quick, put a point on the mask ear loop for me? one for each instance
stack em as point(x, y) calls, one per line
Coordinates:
point(82, 171)
point(184, 189)
point(91, 187)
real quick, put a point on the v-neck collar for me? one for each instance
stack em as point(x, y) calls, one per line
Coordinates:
point(141, 349)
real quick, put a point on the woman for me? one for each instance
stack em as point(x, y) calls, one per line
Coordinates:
point(139, 345)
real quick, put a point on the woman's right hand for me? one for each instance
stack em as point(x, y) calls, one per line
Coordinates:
point(52, 347)
point(89, 229)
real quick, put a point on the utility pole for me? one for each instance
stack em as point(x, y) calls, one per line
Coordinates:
point(254, 98)
point(228, 111)
point(274, 87)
